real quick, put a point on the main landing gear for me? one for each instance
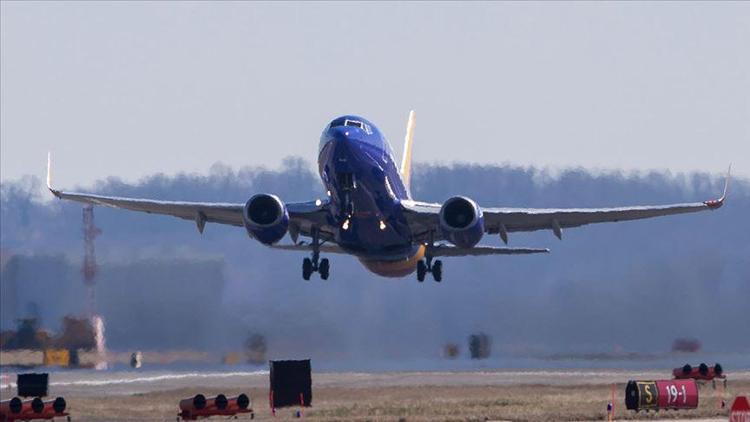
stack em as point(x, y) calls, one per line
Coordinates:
point(315, 264)
point(310, 266)
point(426, 265)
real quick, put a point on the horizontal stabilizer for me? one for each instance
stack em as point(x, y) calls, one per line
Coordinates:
point(445, 250)
point(307, 247)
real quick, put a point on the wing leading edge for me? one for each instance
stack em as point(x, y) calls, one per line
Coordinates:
point(424, 217)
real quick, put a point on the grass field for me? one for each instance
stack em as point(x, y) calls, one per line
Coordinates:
point(429, 402)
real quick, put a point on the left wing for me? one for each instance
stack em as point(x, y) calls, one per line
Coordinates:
point(302, 215)
point(424, 217)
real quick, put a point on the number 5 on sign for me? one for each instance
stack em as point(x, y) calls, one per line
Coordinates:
point(648, 394)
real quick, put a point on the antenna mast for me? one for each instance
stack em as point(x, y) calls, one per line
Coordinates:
point(89, 267)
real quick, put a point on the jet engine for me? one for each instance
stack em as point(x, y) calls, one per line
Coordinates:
point(266, 218)
point(462, 222)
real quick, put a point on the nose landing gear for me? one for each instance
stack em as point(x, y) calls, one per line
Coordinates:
point(426, 265)
point(311, 265)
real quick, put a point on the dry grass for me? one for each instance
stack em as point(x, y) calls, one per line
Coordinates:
point(414, 403)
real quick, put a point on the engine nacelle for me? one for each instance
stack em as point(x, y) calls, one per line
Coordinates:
point(461, 221)
point(266, 218)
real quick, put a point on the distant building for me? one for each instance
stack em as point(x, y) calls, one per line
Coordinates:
point(479, 346)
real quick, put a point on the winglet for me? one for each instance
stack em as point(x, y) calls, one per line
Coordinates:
point(406, 158)
point(49, 176)
point(717, 203)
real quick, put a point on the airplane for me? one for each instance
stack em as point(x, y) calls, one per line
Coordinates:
point(369, 211)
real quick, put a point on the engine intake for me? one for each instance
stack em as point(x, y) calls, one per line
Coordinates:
point(266, 218)
point(462, 222)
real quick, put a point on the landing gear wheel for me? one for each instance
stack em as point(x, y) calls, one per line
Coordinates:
point(421, 270)
point(437, 271)
point(324, 268)
point(307, 268)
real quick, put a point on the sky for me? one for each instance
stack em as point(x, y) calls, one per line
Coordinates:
point(130, 89)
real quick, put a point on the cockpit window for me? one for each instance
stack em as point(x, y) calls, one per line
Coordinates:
point(356, 123)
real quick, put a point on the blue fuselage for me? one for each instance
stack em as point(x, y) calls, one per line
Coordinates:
point(357, 167)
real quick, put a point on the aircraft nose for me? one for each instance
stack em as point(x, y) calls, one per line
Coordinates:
point(339, 138)
point(340, 133)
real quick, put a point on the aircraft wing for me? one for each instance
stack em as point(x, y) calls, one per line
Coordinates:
point(224, 213)
point(424, 217)
point(302, 215)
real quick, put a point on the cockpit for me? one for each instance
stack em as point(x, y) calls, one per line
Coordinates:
point(369, 133)
point(351, 122)
point(347, 122)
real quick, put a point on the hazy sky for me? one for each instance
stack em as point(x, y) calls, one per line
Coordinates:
point(130, 89)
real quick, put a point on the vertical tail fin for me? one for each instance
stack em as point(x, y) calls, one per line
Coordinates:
point(406, 158)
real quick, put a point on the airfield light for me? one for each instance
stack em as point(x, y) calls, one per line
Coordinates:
point(382, 225)
point(345, 226)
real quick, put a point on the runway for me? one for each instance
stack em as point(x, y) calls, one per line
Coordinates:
point(90, 382)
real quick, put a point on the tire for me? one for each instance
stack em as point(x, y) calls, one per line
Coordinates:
point(306, 268)
point(421, 270)
point(324, 268)
point(437, 271)
point(703, 369)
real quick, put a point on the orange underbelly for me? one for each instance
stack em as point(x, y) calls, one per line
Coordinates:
point(394, 268)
